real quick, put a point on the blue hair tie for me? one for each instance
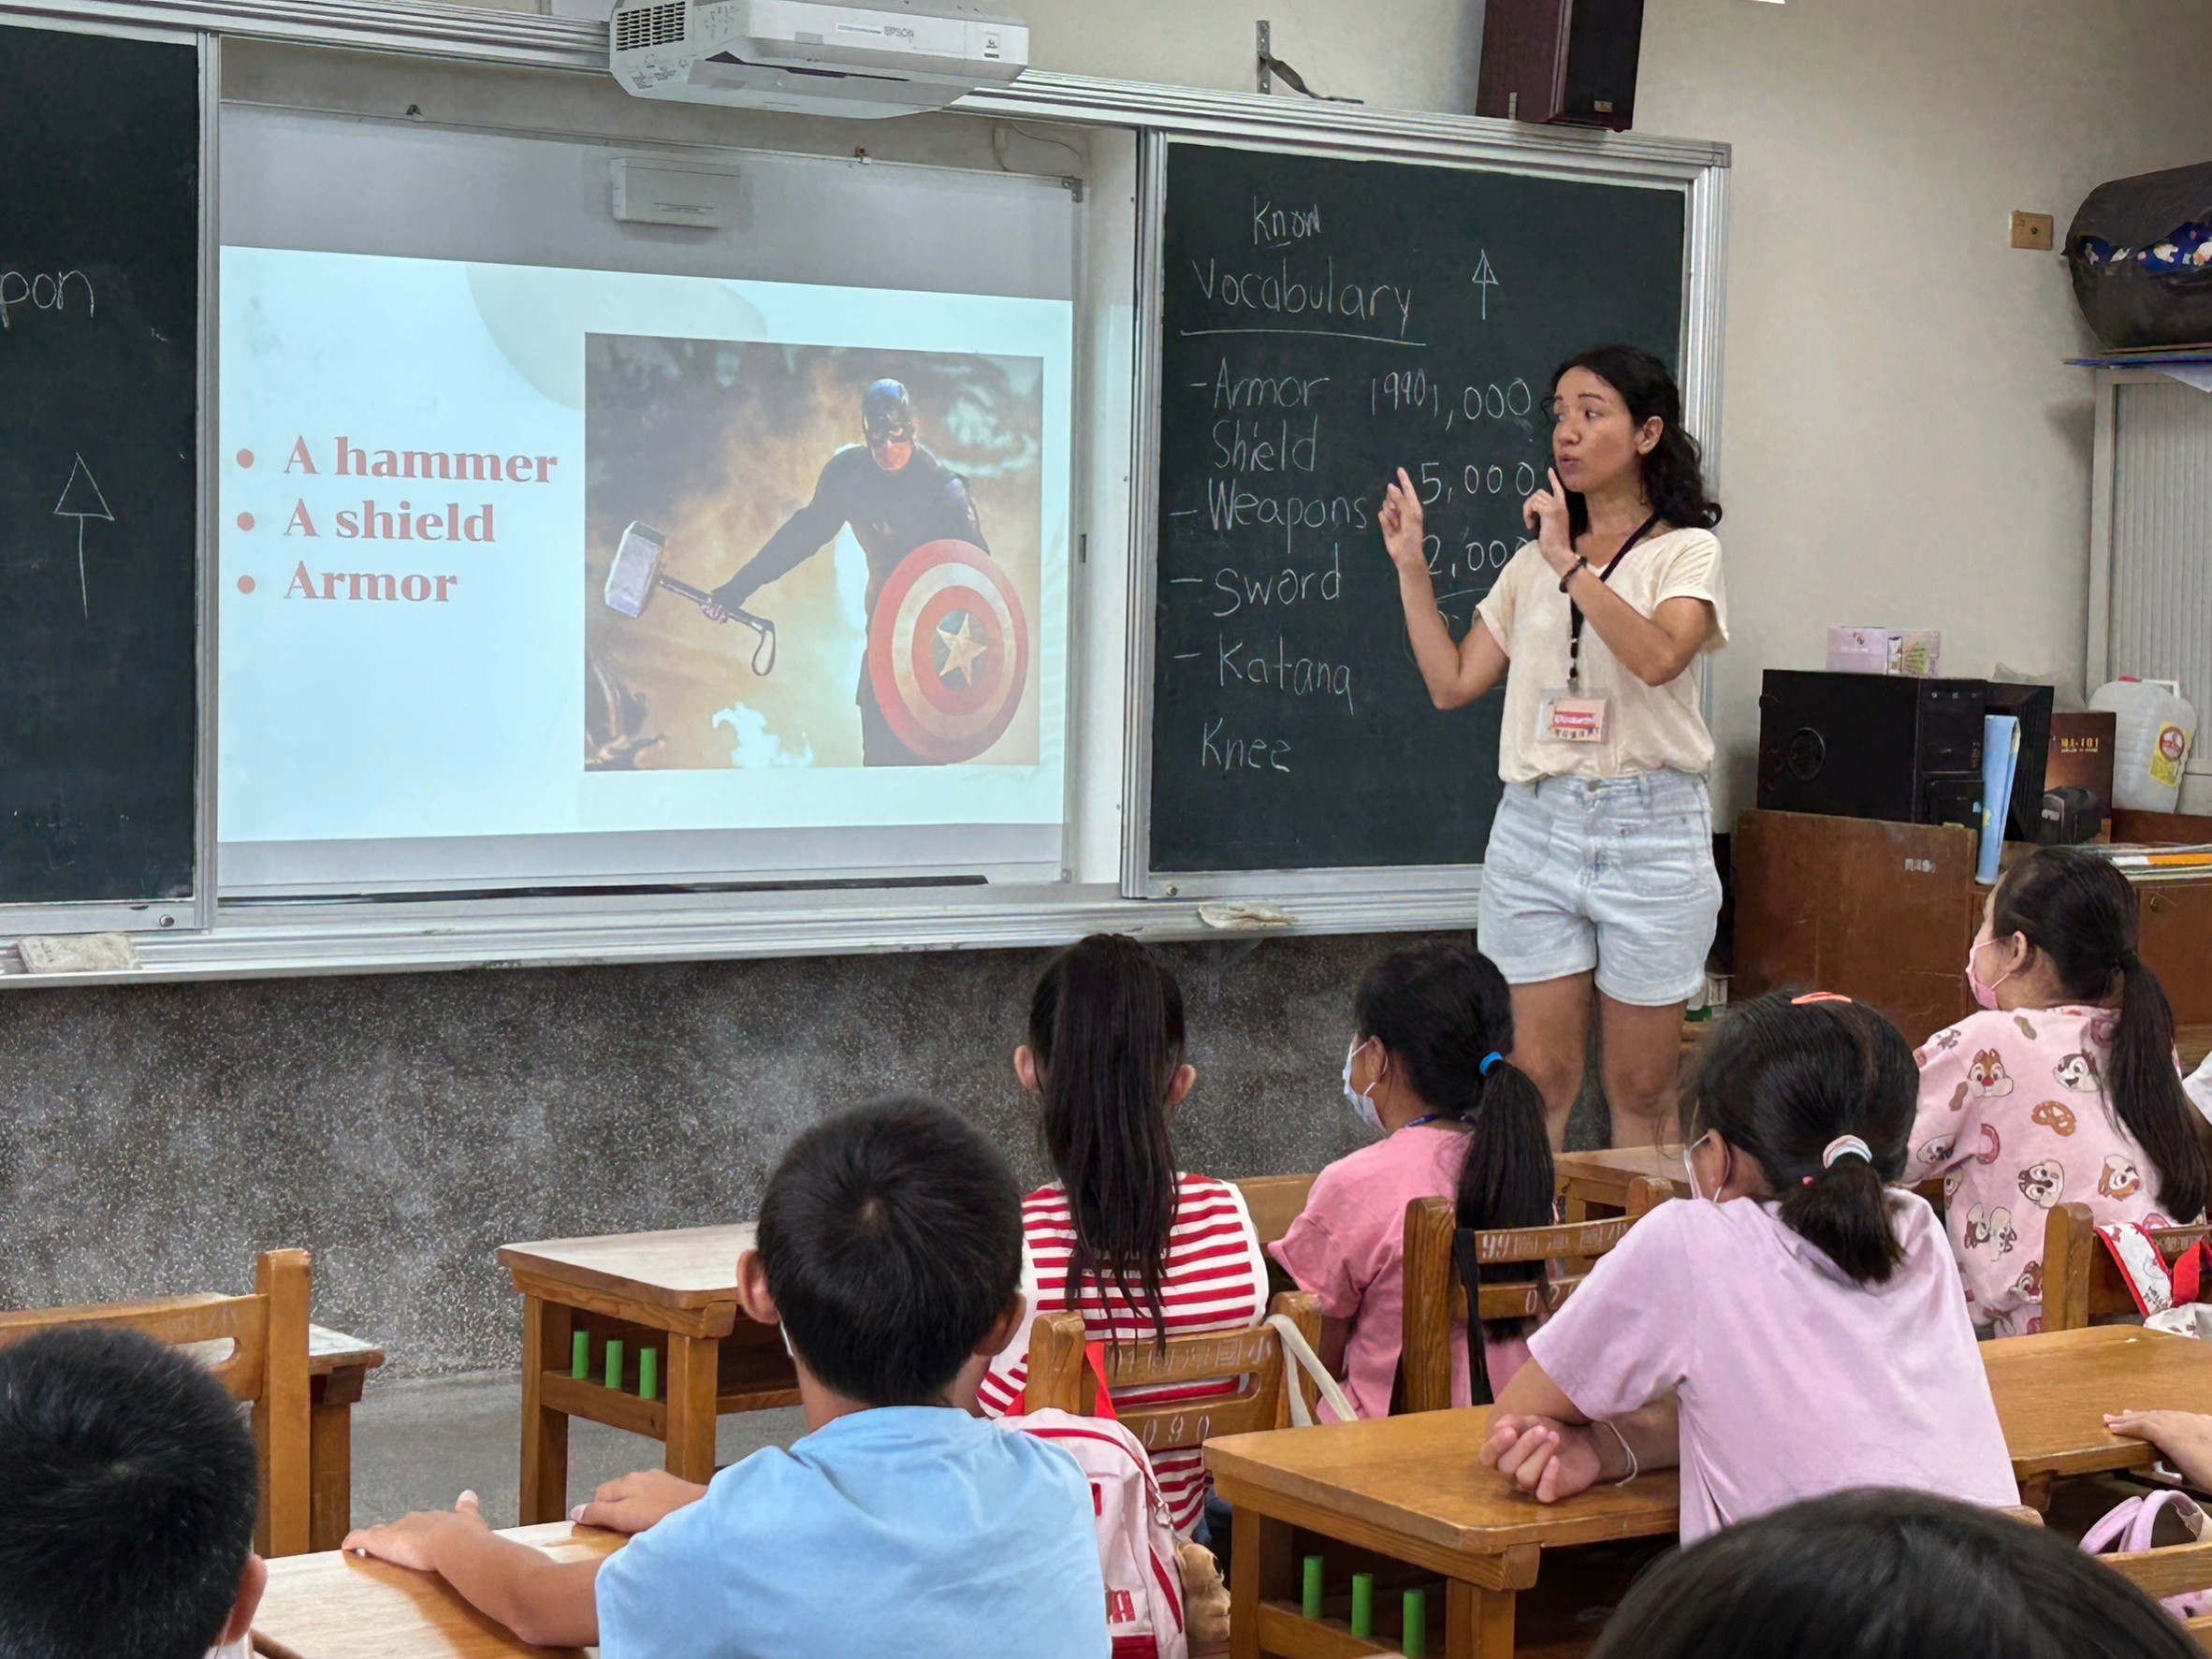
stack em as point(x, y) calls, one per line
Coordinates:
point(1491, 1059)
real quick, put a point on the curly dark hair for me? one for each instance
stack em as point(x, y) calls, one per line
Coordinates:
point(1673, 475)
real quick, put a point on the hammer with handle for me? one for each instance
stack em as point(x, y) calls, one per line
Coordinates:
point(635, 574)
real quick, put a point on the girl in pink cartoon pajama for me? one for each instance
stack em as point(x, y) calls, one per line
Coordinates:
point(2062, 1090)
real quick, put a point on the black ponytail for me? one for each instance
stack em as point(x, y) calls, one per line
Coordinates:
point(2080, 912)
point(1106, 1026)
point(1784, 1080)
point(1673, 474)
point(1444, 1013)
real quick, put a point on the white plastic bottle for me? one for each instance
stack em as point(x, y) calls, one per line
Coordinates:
point(2157, 728)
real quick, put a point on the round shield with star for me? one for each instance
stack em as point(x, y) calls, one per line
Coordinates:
point(948, 651)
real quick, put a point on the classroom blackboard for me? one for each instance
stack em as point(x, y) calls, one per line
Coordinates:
point(1325, 321)
point(100, 467)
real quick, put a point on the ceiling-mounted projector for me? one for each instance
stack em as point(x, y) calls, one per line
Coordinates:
point(811, 58)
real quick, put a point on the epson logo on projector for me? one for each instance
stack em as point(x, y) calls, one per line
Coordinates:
point(889, 31)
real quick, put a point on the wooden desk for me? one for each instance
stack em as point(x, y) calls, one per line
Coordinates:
point(674, 1292)
point(1594, 1185)
point(340, 1606)
point(2052, 1392)
point(1408, 1488)
point(338, 1367)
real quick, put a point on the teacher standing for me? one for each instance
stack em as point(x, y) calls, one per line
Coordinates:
point(1599, 878)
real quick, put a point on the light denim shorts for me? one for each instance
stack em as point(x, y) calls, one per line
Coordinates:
point(1610, 873)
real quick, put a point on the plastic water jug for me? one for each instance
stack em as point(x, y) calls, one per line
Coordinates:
point(2157, 728)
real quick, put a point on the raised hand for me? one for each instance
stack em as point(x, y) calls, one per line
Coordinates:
point(1404, 525)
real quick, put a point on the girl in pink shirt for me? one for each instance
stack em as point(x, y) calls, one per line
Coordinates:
point(1796, 1329)
point(2063, 1090)
point(1432, 1027)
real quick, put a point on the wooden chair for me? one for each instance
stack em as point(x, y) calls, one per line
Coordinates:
point(1250, 1365)
point(1436, 1298)
point(2081, 1283)
point(266, 1364)
point(1275, 1203)
point(2172, 1571)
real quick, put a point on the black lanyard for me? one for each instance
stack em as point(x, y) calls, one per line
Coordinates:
point(1575, 611)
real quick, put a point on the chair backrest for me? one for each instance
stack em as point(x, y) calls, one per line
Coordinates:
point(2176, 1570)
point(1247, 1366)
point(1275, 1203)
point(266, 1365)
point(1435, 1295)
point(2081, 1283)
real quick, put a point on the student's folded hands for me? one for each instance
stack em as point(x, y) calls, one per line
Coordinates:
point(636, 1502)
point(1548, 1458)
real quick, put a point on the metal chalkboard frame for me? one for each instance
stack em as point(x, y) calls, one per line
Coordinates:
point(1699, 171)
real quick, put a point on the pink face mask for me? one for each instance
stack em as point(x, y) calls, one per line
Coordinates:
point(1986, 995)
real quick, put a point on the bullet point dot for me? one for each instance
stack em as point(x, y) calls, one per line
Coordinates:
point(245, 584)
point(245, 522)
point(246, 458)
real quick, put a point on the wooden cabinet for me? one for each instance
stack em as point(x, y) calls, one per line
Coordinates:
point(1885, 913)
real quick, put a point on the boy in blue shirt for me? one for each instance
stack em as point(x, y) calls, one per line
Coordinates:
point(890, 1251)
point(127, 1492)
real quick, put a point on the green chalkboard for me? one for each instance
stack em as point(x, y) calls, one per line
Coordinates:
point(1324, 322)
point(99, 466)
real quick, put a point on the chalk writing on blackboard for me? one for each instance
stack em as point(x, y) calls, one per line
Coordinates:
point(1485, 280)
point(81, 499)
point(44, 291)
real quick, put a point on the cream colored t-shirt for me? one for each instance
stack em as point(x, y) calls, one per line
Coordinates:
point(1648, 728)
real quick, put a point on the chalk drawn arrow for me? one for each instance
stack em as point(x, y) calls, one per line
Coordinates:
point(1485, 280)
point(81, 499)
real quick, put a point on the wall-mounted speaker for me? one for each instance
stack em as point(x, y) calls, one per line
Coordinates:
point(1568, 62)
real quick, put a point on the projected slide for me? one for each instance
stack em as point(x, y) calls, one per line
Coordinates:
point(516, 551)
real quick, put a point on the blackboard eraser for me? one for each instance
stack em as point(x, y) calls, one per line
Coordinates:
point(77, 952)
point(1243, 916)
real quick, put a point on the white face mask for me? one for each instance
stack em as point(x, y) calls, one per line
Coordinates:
point(1691, 1170)
point(1362, 1104)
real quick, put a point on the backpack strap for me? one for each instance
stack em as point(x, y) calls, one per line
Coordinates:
point(1298, 1355)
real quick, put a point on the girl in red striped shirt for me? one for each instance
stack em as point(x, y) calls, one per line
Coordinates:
point(1141, 1251)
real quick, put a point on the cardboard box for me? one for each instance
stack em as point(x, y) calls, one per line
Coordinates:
point(1915, 652)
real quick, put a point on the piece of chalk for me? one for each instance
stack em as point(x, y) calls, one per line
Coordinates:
point(1363, 1606)
point(614, 1362)
point(580, 1356)
point(1311, 1605)
point(1417, 1623)
point(649, 1374)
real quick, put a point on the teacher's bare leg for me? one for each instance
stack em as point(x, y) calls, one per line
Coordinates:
point(1642, 1066)
point(1552, 1043)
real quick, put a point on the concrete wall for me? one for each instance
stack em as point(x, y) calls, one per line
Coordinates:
point(403, 1128)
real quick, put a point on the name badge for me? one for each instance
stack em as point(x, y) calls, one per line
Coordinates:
point(1561, 718)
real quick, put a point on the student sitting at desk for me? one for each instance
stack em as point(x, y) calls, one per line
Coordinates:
point(1796, 1328)
point(130, 1487)
point(1431, 1028)
point(1143, 1252)
point(891, 1252)
point(2063, 1090)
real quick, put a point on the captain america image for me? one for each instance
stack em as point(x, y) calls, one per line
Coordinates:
point(897, 497)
